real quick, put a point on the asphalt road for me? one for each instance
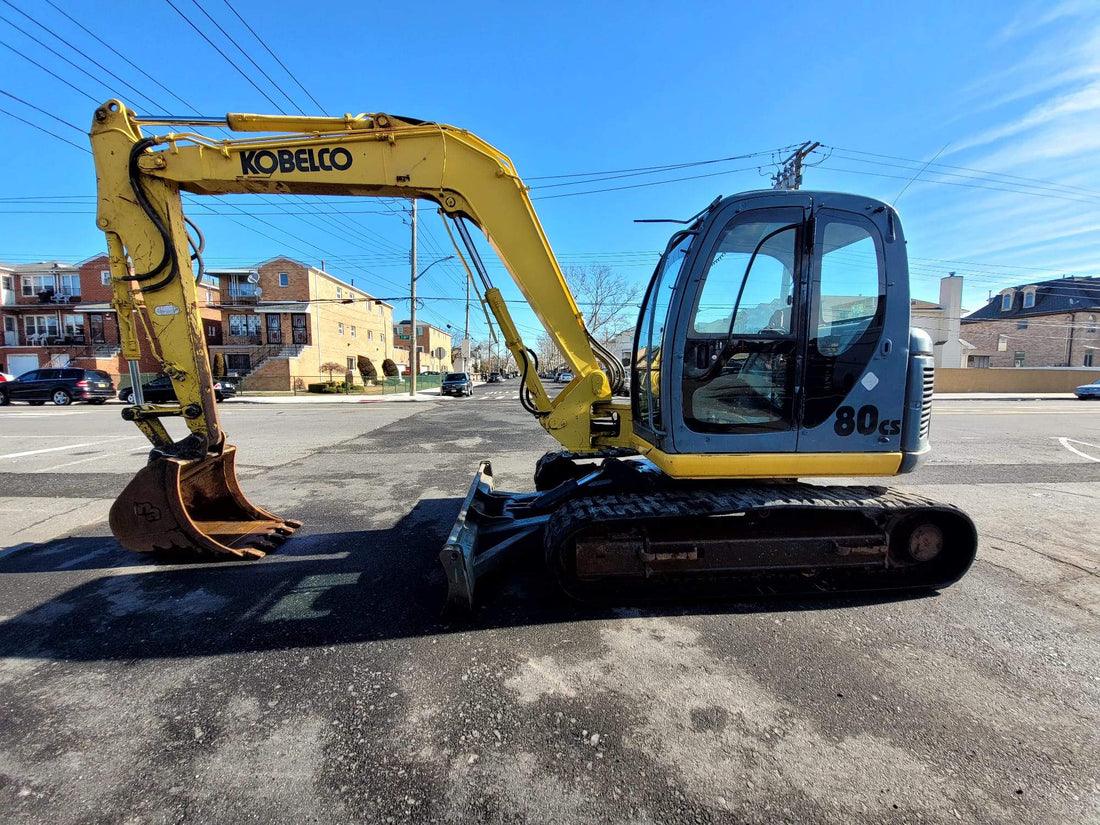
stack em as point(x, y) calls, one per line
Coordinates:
point(322, 684)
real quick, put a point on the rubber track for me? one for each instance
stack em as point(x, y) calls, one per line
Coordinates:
point(877, 503)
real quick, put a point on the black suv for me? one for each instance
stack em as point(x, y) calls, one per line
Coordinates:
point(456, 383)
point(160, 391)
point(61, 385)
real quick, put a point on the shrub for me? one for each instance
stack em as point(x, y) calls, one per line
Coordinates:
point(219, 365)
point(389, 368)
point(366, 368)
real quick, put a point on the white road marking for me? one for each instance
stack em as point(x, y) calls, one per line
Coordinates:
point(92, 458)
point(1065, 443)
point(70, 446)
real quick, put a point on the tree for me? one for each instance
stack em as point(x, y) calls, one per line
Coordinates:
point(366, 368)
point(389, 368)
point(330, 367)
point(608, 301)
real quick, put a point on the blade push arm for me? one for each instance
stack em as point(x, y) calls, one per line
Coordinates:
point(369, 155)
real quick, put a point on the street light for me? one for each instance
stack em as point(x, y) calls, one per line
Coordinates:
point(413, 361)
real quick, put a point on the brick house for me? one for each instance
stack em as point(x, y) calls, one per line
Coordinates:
point(56, 314)
point(433, 344)
point(1046, 324)
point(275, 323)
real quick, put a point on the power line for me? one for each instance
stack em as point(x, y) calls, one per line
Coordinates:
point(263, 43)
point(47, 71)
point(119, 54)
point(70, 45)
point(47, 131)
point(241, 71)
point(247, 56)
point(43, 111)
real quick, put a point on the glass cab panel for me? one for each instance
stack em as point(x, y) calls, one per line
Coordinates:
point(741, 353)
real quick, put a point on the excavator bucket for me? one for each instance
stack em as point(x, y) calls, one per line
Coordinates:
point(195, 507)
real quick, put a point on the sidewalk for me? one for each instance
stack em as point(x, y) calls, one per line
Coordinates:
point(337, 398)
point(1005, 396)
point(433, 395)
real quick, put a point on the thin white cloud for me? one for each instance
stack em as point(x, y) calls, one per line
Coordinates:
point(1069, 105)
point(1038, 15)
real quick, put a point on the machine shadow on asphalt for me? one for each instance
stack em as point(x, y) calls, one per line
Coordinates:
point(318, 590)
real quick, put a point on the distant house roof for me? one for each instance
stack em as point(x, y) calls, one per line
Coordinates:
point(1055, 296)
point(916, 303)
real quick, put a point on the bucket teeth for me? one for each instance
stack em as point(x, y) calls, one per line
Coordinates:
point(195, 508)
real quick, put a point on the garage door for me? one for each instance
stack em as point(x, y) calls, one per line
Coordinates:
point(19, 364)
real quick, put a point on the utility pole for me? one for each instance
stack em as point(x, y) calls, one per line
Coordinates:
point(466, 332)
point(789, 175)
point(412, 309)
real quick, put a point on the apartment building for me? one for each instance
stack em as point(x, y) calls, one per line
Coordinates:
point(433, 346)
point(283, 320)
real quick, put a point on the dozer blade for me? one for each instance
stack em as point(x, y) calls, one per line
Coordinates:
point(195, 507)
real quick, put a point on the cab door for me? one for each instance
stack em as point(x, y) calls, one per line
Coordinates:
point(857, 333)
point(739, 327)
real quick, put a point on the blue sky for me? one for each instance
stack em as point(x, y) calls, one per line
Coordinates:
point(1008, 94)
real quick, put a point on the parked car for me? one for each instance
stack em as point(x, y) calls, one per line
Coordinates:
point(159, 391)
point(456, 383)
point(1086, 391)
point(6, 376)
point(61, 385)
point(494, 378)
point(565, 377)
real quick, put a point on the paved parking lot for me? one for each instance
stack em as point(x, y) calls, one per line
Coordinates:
point(323, 684)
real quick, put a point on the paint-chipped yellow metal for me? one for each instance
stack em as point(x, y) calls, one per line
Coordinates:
point(770, 465)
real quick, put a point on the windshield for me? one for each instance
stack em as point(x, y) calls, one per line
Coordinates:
point(455, 376)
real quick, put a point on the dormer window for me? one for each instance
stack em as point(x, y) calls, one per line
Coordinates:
point(1029, 297)
point(1006, 300)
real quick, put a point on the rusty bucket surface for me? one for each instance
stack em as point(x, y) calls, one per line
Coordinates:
point(173, 505)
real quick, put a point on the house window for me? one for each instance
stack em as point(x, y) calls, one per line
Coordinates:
point(1092, 325)
point(1088, 359)
point(73, 325)
point(1002, 343)
point(45, 325)
point(1029, 299)
point(370, 334)
point(105, 277)
point(284, 279)
point(68, 285)
point(351, 363)
point(339, 329)
point(236, 363)
point(419, 331)
point(339, 292)
point(244, 325)
point(1006, 302)
point(353, 331)
point(382, 336)
point(1018, 359)
point(34, 284)
point(979, 361)
point(1021, 325)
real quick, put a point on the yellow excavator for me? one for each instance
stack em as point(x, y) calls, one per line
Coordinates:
point(773, 345)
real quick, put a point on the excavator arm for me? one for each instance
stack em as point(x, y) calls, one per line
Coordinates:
point(187, 497)
point(373, 155)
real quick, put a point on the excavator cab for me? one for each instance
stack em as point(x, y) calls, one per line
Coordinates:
point(790, 315)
